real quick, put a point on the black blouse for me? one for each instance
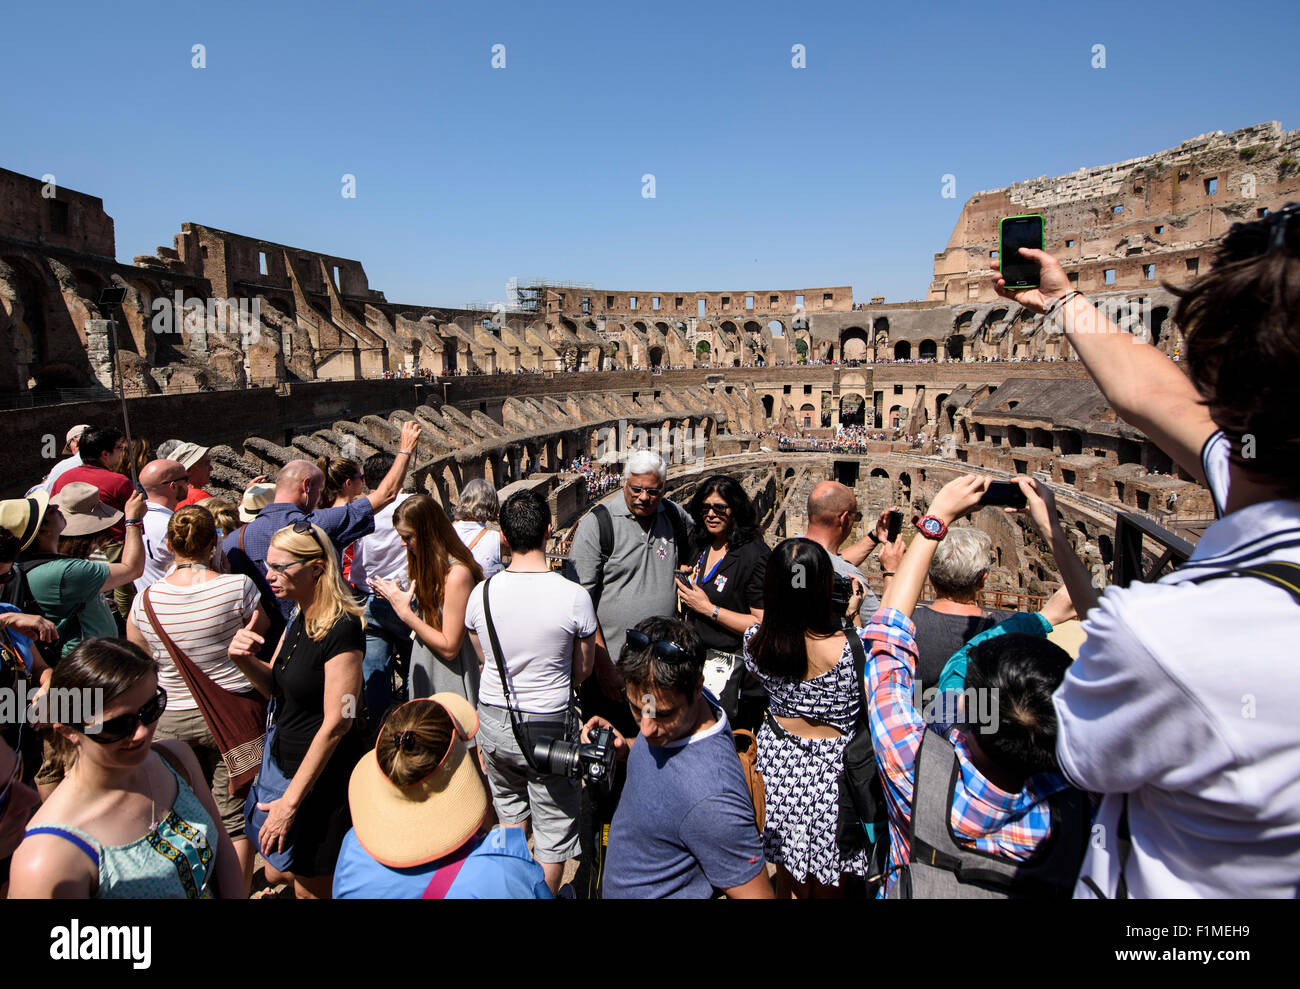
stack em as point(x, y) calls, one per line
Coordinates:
point(736, 585)
point(299, 686)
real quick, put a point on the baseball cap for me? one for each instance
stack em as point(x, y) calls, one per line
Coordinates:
point(188, 454)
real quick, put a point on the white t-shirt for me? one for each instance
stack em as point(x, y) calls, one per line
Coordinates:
point(537, 617)
point(1185, 698)
point(488, 549)
point(158, 560)
point(380, 554)
point(201, 619)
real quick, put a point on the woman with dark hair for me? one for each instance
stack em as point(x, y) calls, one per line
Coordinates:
point(344, 484)
point(130, 819)
point(443, 572)
point(805, 660)
point(723, 595)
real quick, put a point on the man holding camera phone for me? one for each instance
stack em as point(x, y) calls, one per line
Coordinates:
point(684, 827)
point(1158, 712)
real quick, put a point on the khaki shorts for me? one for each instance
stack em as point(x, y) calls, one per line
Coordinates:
point(552, 801)
point(190, 727)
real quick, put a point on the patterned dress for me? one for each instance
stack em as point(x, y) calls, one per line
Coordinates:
point(802, 774)
point(173, 861)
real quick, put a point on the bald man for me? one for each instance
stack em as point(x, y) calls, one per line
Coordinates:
point(165, 483)
point(832, 510)
point(298, 488)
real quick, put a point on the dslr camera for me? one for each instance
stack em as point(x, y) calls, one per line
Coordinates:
point(593, 761)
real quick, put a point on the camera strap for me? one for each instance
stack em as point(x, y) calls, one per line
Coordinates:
point(505, 680)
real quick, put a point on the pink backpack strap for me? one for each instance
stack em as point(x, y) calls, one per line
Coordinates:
point(441, 882)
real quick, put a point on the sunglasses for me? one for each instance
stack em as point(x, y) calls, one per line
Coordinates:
point(124, 725)
point(652, 492)
point(713, 508)
point(669, 652)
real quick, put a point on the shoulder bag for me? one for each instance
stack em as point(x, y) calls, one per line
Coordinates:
point(237, 721)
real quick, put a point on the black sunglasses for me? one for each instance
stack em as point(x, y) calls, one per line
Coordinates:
point(669, 652)
point(123, 726)
point(304, 527)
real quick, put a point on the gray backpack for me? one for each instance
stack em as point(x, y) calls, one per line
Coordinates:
point(941, 869)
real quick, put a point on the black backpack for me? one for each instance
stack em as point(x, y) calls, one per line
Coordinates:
point(605, 525)
point(942, 869)
point(863, 814)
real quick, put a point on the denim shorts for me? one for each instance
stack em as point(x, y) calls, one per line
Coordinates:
point(518, 792)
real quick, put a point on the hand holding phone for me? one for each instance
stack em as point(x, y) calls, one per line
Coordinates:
point(1014, 233)
point(1003, 493)
point(895, 525)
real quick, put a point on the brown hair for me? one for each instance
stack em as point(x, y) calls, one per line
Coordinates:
point(192, 531)
point(424, 730)
point(80, 547)
point(435, 547)
point(338, 471)
point(1242, 325)
point(113, 666)
point(137, 452)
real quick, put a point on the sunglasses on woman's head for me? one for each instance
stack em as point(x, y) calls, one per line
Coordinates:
point(124, 725)
point(669, 652)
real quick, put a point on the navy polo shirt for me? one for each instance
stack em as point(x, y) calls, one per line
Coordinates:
point(343, 525)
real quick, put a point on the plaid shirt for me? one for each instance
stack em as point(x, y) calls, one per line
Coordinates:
point(983, 817)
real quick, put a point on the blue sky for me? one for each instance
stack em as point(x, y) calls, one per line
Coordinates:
point(766, 176)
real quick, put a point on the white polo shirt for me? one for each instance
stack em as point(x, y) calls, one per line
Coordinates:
point(158, 558)
point(380, 554)
point(1185, 697)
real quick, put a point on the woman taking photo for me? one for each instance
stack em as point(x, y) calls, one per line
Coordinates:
point(724, 594)
point(443, 572)
point(315, 683)
point(131, 819)
point(200, 611)
point(805, 661)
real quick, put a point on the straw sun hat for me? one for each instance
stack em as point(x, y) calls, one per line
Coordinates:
point(402, 827)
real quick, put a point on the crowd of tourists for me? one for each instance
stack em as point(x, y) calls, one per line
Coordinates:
point(600, 478)
point(318, 693)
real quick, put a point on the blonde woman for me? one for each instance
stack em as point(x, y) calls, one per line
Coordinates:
point(315, 681)
point(443, 572)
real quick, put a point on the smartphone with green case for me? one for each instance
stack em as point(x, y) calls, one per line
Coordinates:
point(1015, 232)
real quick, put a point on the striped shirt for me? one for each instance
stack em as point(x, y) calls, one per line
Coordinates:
point(201, 619)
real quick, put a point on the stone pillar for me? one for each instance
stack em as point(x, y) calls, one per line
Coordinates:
point(99, 350)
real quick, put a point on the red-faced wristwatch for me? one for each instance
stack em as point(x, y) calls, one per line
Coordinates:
point(930, 526)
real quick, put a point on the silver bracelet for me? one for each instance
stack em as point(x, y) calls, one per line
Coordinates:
point(407, 452)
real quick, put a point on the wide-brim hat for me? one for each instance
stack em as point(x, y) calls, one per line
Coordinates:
point(402, 827)
point(188, 454)
point(255, 499)
point(83, 510)
point(22, 516)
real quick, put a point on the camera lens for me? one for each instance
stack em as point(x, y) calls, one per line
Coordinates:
point(552, 755)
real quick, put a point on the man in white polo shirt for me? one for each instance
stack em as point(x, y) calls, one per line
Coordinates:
point(70, 460)
point(1181, 707)
point(165, 484)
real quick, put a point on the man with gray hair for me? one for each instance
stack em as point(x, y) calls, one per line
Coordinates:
point(625, 553)
point(961, 562)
